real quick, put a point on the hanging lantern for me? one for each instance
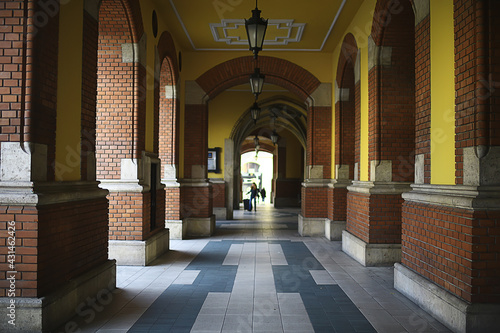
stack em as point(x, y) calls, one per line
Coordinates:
point(256, 82)
point(256, 29)
point(255, 112)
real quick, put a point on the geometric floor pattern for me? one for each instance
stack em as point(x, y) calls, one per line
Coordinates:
point(255, 274)
point(234, 286)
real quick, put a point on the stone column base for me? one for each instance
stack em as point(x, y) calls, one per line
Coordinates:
point(311, 226)
point(200, 226)
point(177, 228)
point(75, 298)
point(453, 312)
point(220, 213)
point(370, 254)
point(334, 229)
point(139, 253)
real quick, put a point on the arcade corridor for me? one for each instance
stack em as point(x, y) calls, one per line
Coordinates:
point(256, 274)
point(122, 130)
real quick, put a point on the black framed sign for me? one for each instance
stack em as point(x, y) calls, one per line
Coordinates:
point(214, 160)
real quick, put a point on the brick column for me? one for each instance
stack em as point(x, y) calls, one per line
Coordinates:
point(373, 229)
point(450, 253)
point(286, 190)
point(346, 138)
point(315, 186)
point(53, 234)
point(168, 151)
point(196, 191)
point(137, 233)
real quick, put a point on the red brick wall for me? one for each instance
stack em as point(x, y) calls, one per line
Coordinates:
point(196, 202)
point(392, 92)
point(54, 244)
point(358, 214)
point(219, 195)
point(357, 128)
point(277, 71)
point(172, 203)
point(345, 122)
point(423, 94)
point(345, 111)
point(13, 61)
point(129, 215)
point(477, 71)
point(168, 117)
point(314, 202)
point(319, 138)
point(195, 137)
point(376, 219)
point(337, 204)
point(455, 248)
point(119, 117)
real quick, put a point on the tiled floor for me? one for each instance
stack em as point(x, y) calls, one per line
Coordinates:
point(255, 275)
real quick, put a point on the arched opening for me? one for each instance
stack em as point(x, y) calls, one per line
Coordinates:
point(168, 128)
point(287, 118)
point(296, 83)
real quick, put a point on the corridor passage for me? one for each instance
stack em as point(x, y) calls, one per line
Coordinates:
point(255, 275)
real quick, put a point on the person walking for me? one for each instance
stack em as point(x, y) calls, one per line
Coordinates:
point(254, 193)
point(263, 194)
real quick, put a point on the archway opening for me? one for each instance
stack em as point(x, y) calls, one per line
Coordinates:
point(257, 168)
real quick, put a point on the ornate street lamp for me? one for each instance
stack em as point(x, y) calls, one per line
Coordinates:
point(255, 112)
point(256, 29)
point(256, 82)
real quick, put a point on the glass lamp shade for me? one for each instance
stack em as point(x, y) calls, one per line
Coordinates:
point(255, 112)
point(256, 82)
point(274, 137)
point(256, 29)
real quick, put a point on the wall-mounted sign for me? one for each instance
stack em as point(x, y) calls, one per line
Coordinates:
point(214, 160)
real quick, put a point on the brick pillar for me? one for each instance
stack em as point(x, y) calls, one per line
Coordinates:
point(315, 186)
point(168, 151)
point(373, 228)
point(196, 190)
point(53, 234)
point(287, 190)
point(132, 176)
point(450, 253)
point(346, 137)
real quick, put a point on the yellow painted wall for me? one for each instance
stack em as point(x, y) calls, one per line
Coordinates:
point(69, 100)
point(223, 112)
point(360, 27)
point(442, 93)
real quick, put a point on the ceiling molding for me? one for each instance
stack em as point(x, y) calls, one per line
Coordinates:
point(227, 26)
point(240, 42)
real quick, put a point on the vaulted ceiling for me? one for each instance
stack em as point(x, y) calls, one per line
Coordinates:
point(218, 25)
